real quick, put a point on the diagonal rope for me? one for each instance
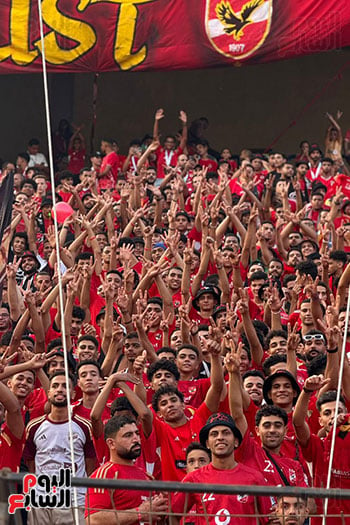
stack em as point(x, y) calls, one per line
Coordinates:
point(60, 288)
point(334, 429)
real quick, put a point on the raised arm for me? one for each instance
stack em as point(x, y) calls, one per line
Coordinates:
point(232, 363)
point(302, 429)
point(14, 419)
point(212, 399)
point(253, 340)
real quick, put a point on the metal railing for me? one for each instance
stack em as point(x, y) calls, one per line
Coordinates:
point(9, 485)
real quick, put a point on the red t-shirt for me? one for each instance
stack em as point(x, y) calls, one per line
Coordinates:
point(76, 160)
point(221, 506)
point(211, 164)
point(173, 442)
point(101, 499)
point(194, 391)
point(108, 181)
point(254, 456)
point(317, 451)
point(11, 449)
point(80, 410)
point(343, 182)
point(166, 158)
point(330, 184)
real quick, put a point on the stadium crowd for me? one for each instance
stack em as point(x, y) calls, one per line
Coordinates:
point(204, 320)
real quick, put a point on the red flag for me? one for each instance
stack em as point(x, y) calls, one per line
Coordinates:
point(122, 35)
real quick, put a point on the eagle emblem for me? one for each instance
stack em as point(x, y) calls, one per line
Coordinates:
point(237, 28)
point(234, 23)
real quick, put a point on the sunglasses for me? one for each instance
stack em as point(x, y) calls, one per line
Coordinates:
point(313, 337)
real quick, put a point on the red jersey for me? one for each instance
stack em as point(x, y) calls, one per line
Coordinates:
point(173, 442)
point(194, 391)
point(253, 455)
point(343, 182)
point(317, 451)
point(166, 157)
point(330, 184)
point(224, 508)
point(76, 160)
point(80, 410)
point(11, 449)
point(108, 181)
point(209, 163)
point(101, 499)
point(156, 338)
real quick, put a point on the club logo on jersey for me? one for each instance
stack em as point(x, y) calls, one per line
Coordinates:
point(237, 28)
point(242, 498)
point(292, 475)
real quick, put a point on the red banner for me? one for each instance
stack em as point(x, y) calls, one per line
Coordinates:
point(123, 35)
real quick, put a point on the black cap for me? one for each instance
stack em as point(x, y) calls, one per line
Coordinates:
point(202, 291)
point(215, 420)
point(30, 254)
point(96, 154)
point(280, 373)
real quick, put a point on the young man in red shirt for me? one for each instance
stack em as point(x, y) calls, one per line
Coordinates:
point(173, 429)
point(168, 154)
point(221, 436)
point(271, 427)
point(206, 161)
point(110, 166)
point(89, 375)
point(130, 506)
point(317, 450)
point(12, 435)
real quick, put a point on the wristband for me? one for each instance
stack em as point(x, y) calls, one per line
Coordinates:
point(92, 238)
point(333, 351)
point(307, 391)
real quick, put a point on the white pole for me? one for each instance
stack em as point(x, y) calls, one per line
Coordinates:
point(61, 306)
point(334, 429)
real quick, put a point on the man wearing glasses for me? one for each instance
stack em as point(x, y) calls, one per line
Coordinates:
point(314, 344)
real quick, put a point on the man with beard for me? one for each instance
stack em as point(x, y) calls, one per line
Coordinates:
point(314, 344)
point(47, 449)
point(130, 506)
point(221, 436)
point(28, 267)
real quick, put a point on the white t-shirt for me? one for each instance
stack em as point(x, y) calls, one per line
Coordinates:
point(38, 158)
point(49, 446)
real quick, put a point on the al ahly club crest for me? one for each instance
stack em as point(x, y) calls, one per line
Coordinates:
point(237, 28)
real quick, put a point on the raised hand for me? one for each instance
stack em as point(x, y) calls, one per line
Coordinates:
point(333, 333)
point(293, 338)
point(139, 364)
point(274, 301)
point(314, 383)
point(6, 358)
point(12, 268)
point(123, 378)
point(165, 323)
point(183, 117)
point(232, 359)
point(159, 114)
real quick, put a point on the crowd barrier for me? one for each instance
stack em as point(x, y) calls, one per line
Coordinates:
point(10, 483)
